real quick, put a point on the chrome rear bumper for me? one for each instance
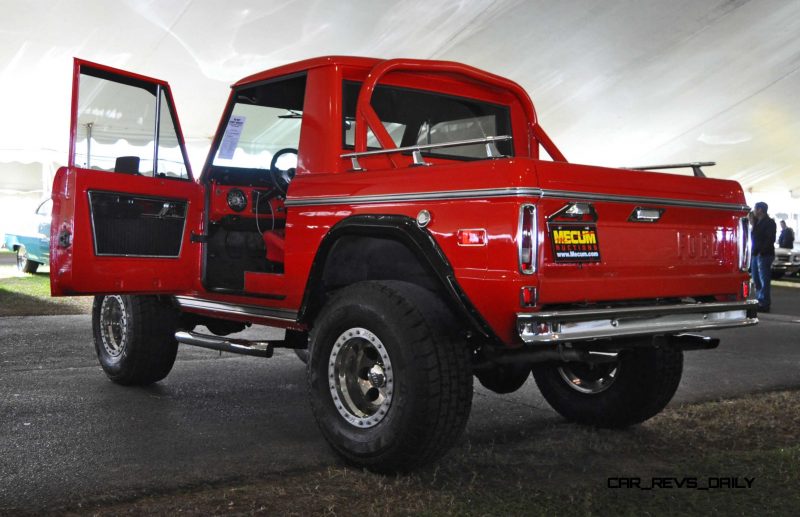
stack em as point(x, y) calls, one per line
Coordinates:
point(582, 325)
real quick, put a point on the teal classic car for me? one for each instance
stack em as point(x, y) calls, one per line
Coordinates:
point(31, 239)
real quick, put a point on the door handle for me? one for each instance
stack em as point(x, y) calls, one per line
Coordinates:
point(165, 209)
point(64, 238)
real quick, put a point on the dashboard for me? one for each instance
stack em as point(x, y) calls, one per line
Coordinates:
point(258, 207)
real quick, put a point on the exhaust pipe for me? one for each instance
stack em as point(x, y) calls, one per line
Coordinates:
point(687, 342)
point(234, 346)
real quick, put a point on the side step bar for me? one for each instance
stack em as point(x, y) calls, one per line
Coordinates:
point(223, 344)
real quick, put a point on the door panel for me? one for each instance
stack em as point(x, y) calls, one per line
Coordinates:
point(125, 208)
point(136, 226)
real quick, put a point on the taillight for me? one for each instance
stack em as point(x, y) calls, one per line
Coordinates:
point(476, 237)
point(527, 297)
point(527, 239)
point(743, 243)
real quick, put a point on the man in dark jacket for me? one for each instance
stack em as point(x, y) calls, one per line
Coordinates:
point(763, 239)
point(786, 239)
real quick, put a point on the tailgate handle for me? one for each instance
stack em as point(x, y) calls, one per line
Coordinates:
point(643, 214)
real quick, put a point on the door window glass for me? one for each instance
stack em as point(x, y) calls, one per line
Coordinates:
point(126, 125)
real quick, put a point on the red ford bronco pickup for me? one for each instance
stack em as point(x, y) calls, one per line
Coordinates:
point(410, 225)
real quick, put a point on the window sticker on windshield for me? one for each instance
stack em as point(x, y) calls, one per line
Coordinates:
point(574, 242)
point(230, 140)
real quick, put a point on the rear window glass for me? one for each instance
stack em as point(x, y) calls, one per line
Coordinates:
point(417, 117)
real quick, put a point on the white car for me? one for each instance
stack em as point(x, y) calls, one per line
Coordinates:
point(787, 262)
point(30, 238)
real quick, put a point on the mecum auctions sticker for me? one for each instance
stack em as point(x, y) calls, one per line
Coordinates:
point(576, 242)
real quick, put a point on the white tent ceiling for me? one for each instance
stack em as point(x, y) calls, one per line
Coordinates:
point(618, 82)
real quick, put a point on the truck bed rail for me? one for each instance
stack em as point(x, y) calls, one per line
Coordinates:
point(416, 150)
point(695, 166)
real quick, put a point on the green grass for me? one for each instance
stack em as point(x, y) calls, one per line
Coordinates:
point(23, 294)
point(36, 285)
point(555, 468)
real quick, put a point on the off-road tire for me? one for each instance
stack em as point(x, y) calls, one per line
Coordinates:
point(504, 378)
point(298, 341)
point(431, 391)
point(24, 264)
point(302, 354)
point(137, 345)
point(646, 380)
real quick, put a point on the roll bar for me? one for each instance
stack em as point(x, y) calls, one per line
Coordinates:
point(366, 116)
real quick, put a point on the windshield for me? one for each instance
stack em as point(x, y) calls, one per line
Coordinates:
point(265, 119)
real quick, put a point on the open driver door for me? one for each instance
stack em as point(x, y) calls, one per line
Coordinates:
point(125, 207)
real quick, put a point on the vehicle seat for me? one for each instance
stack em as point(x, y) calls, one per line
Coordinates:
point(274, 242)
point(127, 164)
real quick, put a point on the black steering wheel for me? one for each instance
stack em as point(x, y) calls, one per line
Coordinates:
point(281, 177)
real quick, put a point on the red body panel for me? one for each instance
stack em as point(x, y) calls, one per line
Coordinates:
point(77, 270)
point(75, 267)
point(690, 251)
point(639, 261)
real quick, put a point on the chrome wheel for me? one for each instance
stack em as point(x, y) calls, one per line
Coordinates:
point(113, 325)
point(22, 258)
point(360, 377)
point(589, 378)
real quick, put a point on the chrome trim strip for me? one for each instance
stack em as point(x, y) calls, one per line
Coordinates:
point(534, 239)
point(189, 302)
point(591, 196)
point(743, 243)
point(157, 130)
point(578, 325)
point(447, 195)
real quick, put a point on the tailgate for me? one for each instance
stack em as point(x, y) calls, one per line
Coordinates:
point(611, 234)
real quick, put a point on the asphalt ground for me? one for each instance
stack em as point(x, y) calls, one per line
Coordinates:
point(68, 435)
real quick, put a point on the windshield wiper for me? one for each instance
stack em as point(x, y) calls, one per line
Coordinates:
point(291, 114)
